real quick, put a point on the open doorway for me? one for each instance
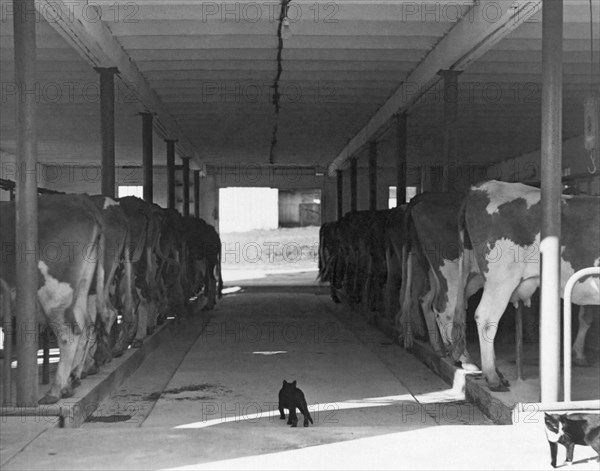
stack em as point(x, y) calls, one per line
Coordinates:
point(269, 236)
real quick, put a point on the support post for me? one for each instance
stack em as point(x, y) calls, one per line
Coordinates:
point(147, 170)
point(170, 173)
point(402, 142)
point(186, 186)
point(519, 339)
point(353, 185)
point(340, 193)
point(107, 128)
point(451, 94)
point(197, 193)
point(551, 171)
point(373, 176)
point(24, 23)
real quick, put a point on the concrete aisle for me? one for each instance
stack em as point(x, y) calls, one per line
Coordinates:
point(374, 405)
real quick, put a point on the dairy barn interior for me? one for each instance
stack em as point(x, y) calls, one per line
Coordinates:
point(288, 191)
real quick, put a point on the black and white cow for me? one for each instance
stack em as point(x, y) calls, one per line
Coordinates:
point(500, 233)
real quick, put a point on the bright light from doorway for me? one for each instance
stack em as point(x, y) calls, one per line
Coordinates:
point(130, 190)
point(411, 191)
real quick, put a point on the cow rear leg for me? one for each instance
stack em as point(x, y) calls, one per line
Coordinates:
point(430, 321)
point(67, 344)
point(487, 316)
point(585, 322)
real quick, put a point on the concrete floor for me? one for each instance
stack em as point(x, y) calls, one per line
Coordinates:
point(208, 401)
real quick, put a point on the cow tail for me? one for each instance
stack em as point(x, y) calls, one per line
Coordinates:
point(465, 256)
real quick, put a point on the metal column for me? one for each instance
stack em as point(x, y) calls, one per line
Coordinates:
point(26, 203)
point(170, 173)
point(401, 141)
point(450, 116)
point(373, 176)
point(353, 185)
point(107, 128)
point(551, 165)
point(197, 193)
point(186, 186)
point(147, 170)
point(340, 193)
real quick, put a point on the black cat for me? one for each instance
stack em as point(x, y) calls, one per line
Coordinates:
point(291, 397)
point(570, 430)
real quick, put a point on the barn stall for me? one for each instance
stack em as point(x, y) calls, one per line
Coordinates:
point(351, 98)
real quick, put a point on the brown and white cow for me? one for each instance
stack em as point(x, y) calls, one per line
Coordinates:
point(394, 239)
point(69, 257)
point(500, 233)
point(430, 271)
point(119, 283)
point(144, 229)
point(329, 257)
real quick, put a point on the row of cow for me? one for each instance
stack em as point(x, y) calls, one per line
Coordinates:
point(421, 262)
point(103, 259)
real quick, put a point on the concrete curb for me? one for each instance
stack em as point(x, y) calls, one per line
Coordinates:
point(476, 389)
point(94, 390)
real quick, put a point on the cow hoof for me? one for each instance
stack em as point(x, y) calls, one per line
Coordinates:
point(67, 392)
point(49, 399)
point(75, 383)
point(137, 343)
point(500, 387)
point(118, 353)
point(306, 424)
point(150, 330)
point(92, 371)
point(470, 368)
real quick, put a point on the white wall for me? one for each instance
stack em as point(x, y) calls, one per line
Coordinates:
point(246, 209)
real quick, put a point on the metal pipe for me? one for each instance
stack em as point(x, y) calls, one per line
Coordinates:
point(340, 193)
point(373, 176)
point(551, 165)
point(519, 339)
point(197, 193)
point(7, 328)
point(147, 170)
point(401, 141)
point(567, 326)
point(24, 23)
point(107, 128)
point(186, 186)
point(591, 405)
point(170, 173)
point(353, 185)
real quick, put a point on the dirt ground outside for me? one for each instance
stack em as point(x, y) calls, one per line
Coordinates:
point(256, 254)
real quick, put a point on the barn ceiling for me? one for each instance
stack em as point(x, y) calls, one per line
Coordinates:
point(209, 70)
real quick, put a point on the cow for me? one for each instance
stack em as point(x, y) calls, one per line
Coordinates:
point(499, 225)
point(202, 262)
point(69, 260)
point(376, 266)
point(144, 228)
point(430, 271)
point(393, 241)
point(119, 283)
point(353, 231)
point(329, 256)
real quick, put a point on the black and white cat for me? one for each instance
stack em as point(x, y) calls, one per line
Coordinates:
point(291, 397)
point(570, 430)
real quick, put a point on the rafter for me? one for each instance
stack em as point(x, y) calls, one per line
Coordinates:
point(467, 41)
